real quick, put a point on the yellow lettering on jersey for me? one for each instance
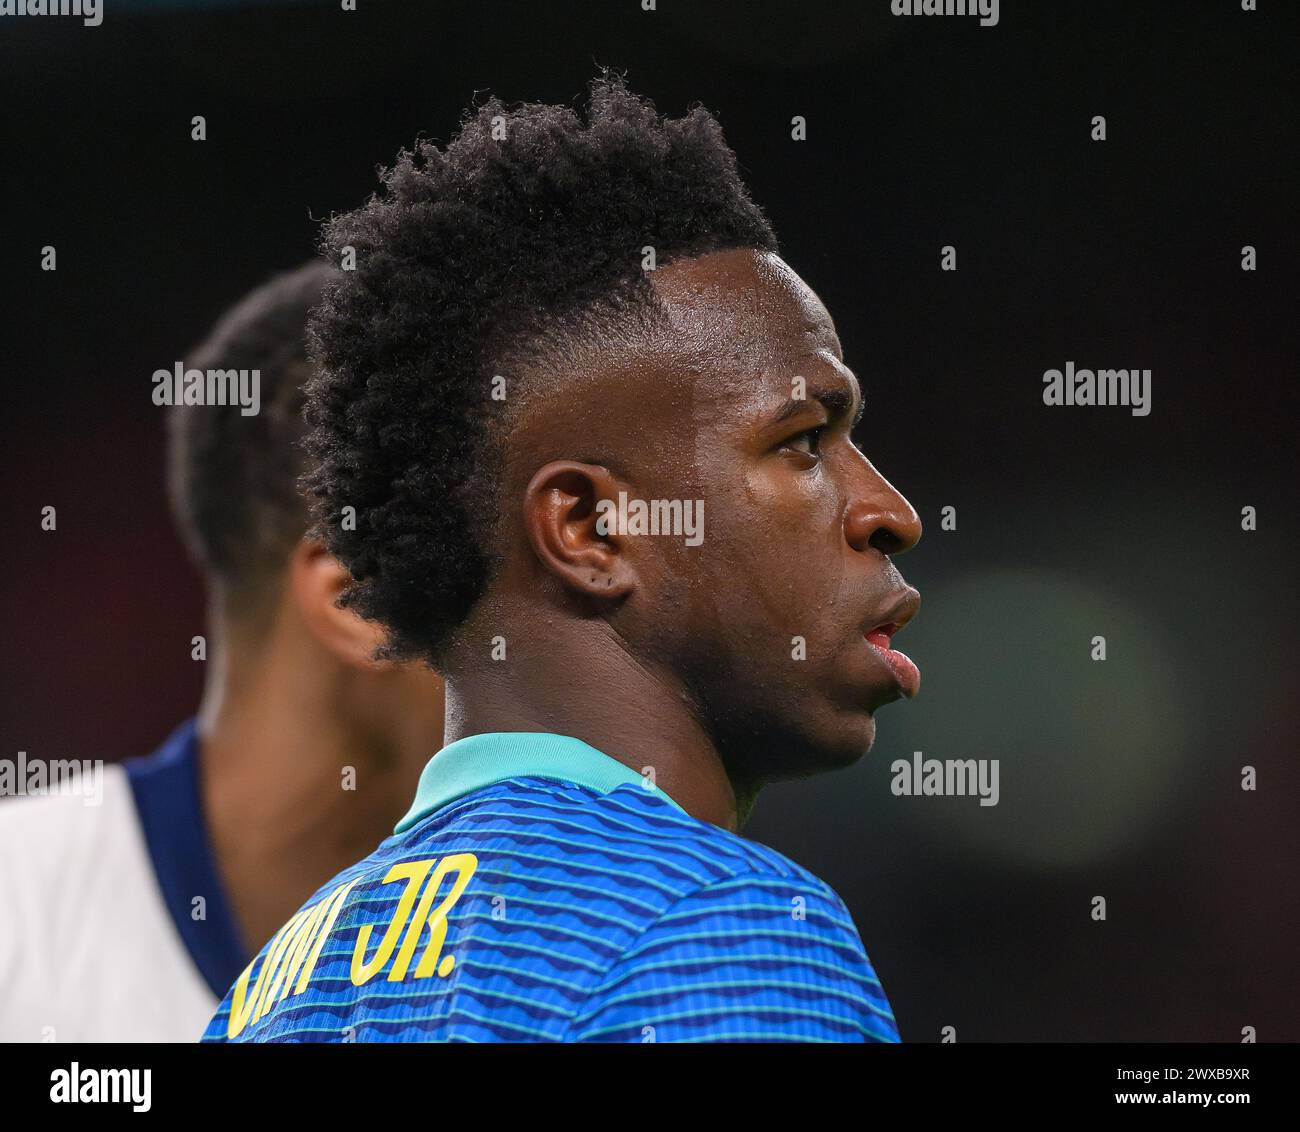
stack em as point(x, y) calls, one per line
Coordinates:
point(273, 966)
point(239, 1013)
point(306, 930)
point(291, 957)
point(336, 904)
point(243, 1006)
point(464, 865)
point(413, 872)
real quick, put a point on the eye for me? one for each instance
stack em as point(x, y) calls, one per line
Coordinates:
point(808, 442)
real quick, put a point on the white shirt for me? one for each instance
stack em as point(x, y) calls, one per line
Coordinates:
point(94, 901)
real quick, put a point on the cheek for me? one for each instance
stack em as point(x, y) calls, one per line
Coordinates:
point(794, 541)
point(770, 568)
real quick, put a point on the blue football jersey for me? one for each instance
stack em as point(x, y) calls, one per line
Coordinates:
point(540, 890)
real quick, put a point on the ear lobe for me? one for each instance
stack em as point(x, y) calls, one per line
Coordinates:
point(566, 508)
point(317, 579)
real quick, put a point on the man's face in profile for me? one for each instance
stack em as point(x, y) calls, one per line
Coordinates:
point(747, 406)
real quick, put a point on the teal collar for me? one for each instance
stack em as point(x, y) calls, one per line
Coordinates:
point(477, 761)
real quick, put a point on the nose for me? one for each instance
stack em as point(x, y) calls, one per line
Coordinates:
point(881, 519)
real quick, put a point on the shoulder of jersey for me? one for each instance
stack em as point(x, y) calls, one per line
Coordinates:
point(633, 827)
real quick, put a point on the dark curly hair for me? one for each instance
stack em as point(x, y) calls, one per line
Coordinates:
point(528, 226)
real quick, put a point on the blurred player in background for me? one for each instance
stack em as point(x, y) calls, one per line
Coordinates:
point(128, 921)
point(558, 327)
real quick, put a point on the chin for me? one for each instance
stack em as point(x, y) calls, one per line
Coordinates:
point(778, 746)
point(838, 746)
point(857, 744)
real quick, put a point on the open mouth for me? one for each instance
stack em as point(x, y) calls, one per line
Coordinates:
point(900, 664)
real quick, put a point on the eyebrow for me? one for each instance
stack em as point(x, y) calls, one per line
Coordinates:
point(836, 402)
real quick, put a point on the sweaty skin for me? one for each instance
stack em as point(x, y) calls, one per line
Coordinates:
point(683, 658)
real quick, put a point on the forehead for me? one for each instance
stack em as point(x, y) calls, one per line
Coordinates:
point(739, 326)
point(745, 315)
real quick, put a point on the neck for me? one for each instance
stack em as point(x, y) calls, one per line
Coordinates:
point(301, 772)
point(578, 679)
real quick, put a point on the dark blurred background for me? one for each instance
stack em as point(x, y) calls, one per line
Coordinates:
point(1118, 778)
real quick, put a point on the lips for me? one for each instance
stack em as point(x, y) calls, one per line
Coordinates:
point(899, 664)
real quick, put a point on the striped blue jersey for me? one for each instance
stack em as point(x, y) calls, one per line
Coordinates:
point(539, 890)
